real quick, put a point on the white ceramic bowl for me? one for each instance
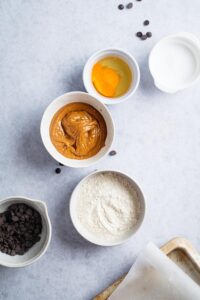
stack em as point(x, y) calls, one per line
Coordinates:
point(91, 237)
point(54, 107)
point(174, 62)
point(128, 58)
point(38, 250)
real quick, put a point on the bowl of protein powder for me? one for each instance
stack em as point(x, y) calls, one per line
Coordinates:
point(107, 207)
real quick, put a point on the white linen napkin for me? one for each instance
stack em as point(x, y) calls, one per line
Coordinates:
point(155, 277)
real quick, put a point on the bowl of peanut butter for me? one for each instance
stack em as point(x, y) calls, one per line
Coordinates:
point(77, 129)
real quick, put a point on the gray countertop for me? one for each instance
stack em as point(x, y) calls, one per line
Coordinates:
point(43, 47)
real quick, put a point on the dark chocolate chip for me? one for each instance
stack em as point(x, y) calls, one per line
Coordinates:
point(13, 253)
point(13, 207)
point(21, 210)
point(139, 34)
point(146, 22)
point(21, 252)
point(112, 153)
point(9, 228)
point(120, 6)
point(17, 229)
point(37, 230)
point(15, 218)
point(129, 5)
point(58, 170)
point(29, 212)
point(8, 216)
point(143, 37)
point(149, 34)
point(1, 220)
point(37, 239)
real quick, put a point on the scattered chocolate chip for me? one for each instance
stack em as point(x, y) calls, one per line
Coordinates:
point(139, 34)
point(120, 6)
point(58, 170)
point(61, 165)
point(149, 34)
point(143, 37)
point(146, 22)
point(129, 5)
point(112, 153)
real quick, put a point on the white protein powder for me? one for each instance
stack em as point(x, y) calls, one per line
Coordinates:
point(108, 205)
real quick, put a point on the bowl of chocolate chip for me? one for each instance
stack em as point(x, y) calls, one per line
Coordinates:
point(25, 231)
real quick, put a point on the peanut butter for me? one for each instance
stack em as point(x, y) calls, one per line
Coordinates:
point(78, 131)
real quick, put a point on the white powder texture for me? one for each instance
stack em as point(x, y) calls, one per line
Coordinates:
point(108, 205)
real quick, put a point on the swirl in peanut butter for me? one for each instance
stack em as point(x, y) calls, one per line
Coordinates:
point(78, 131)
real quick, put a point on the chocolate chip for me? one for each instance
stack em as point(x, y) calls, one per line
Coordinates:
point(143, 37)
point(13, 253)
point(21, 210)
point(139, 34)
point(29, 212)
point(37, 230)
point(120, 6)
point(146, 22)
point(61, 165)
point(1, 220)
point(21, 252)
point(149, 34)
point(112, 153)
point(15, 218)
point(37, 239)
point(58, 170)
point(13, 207)
point(18, 232)
point(129, 5)
point(8, 216)
point(9, 228)
point(17, 249)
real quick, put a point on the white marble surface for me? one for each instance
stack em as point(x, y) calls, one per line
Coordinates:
point(43, 47)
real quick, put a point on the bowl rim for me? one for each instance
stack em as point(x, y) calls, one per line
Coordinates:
point(62, 159)
point(141, 199)
point(89, 86)
point(46, 217)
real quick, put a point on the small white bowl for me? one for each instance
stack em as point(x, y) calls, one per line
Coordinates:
point(128, 58)
point(54, 107)
point(91, 237)
point(38, 250)
point(174, 62)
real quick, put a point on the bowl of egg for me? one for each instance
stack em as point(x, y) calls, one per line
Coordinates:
point(77, 129)
point(111, 75)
